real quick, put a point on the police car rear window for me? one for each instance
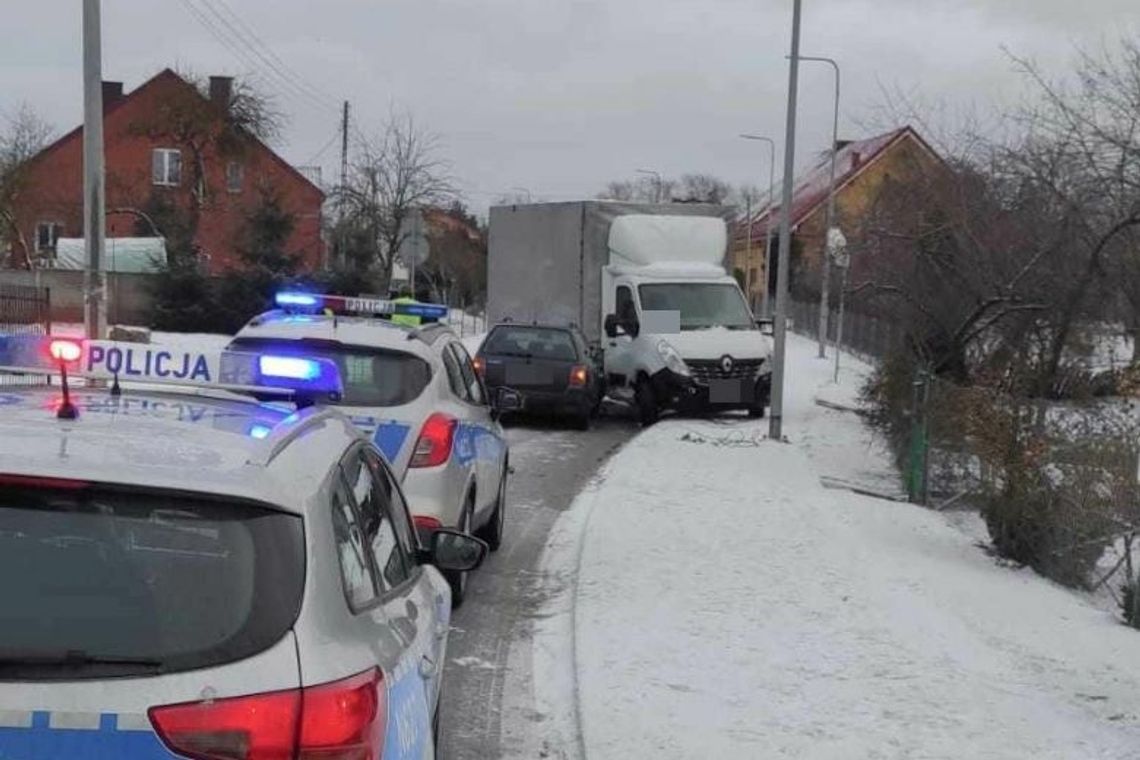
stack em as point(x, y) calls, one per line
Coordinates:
point(101, 582)
point(371, 376)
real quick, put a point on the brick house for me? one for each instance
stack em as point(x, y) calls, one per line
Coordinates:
point(145, 166)
point(863, 169)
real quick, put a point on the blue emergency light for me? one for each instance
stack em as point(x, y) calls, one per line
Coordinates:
point(304, 376)
point(259, 431)
point(289, 367)
point(296, 299)
point(292, 301)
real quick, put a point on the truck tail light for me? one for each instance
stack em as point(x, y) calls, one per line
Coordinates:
point(579, 375)
point(436, 439)
point(344, 719)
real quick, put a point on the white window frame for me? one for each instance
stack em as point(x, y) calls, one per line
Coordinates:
point(55, 232)
point(164, 180)
point(235, 171)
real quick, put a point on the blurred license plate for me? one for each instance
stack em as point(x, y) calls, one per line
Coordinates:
point(726, 391)
point(529, 374)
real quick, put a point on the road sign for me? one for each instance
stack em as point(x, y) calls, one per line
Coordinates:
point(414, 251)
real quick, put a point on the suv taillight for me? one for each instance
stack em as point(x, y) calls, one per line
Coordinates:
point(344, 719)
point(579, 375)
point(436, 438)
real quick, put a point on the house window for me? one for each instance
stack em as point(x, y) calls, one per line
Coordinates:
point(47, 235)
point(234, 175)
point(166, 166)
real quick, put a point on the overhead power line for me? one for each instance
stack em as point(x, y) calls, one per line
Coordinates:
point(224, 32)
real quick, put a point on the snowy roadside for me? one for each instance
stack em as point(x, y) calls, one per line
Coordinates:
point(728, 605)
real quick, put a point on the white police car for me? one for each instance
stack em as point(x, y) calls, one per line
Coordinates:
point(415, 391)
point(189, 573)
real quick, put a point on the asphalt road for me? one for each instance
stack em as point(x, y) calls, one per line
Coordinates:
point(551, 466)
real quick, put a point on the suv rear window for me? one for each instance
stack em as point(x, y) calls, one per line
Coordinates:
point(371, 376)
point(531, 342)
point(99, 582)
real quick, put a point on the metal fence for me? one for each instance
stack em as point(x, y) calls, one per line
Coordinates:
point(863, 335)
point(24, 310)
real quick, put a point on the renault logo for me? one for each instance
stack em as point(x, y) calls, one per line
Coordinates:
point(726, 364)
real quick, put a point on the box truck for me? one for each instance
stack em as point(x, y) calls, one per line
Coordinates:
point(647, 285)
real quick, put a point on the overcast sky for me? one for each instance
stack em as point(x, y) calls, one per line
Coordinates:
point(559, 96)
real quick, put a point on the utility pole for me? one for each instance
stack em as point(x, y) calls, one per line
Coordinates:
point(776, 422)
point(343, 181)
point(825, 287)
point(94, 212)
point(748, 248)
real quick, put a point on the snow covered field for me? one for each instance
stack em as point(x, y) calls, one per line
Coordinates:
point(728, 605)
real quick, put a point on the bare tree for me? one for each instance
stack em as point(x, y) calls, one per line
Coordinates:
point(702, 188)
point(1082, 147)
point(392, 176)
point(23, 135)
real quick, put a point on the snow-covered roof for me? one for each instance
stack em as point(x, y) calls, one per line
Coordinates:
point(811, 188)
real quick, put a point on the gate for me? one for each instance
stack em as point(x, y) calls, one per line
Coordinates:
point(24, 310)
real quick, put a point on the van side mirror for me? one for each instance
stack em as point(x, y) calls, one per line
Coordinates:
point(767, 326)
point(611, 326)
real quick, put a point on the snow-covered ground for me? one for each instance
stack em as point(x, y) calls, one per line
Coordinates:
point(727, 604)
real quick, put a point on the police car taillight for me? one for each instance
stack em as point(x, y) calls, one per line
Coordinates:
point(480, 364)
point(579, 375)
point(344, 719)
point(436, 439)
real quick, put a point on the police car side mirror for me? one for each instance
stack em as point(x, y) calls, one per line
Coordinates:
point(457, 552)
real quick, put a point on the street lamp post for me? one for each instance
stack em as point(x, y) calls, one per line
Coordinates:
point(656, 183)
point(765, 306)
point(825, 296)
point(776, 421)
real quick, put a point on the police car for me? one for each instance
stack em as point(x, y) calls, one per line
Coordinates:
point(415, 392)
point(192, 573)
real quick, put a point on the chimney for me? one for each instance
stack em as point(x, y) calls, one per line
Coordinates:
point(112, 93)
point(221, 88)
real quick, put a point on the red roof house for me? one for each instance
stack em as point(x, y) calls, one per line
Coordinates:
point(861, 169)
point(147, 163)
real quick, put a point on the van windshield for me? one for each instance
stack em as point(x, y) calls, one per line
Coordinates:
point(702, 305)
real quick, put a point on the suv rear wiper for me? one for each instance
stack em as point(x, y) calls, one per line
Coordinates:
point(72, 658)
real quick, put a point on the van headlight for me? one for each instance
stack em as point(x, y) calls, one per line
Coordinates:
point(672, 359)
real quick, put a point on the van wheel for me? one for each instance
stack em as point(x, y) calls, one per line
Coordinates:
point(458, 580)
point(647, 410)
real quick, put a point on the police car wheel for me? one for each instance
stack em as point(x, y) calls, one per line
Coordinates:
point(458, 581)
point(492, 532)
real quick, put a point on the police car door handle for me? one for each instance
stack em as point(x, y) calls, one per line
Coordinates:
point(427, 668)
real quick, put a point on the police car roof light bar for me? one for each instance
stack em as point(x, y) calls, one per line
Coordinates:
point(361, 305)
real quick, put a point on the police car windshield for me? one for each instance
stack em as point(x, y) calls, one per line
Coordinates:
point(100, 582)
point(371, 376)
